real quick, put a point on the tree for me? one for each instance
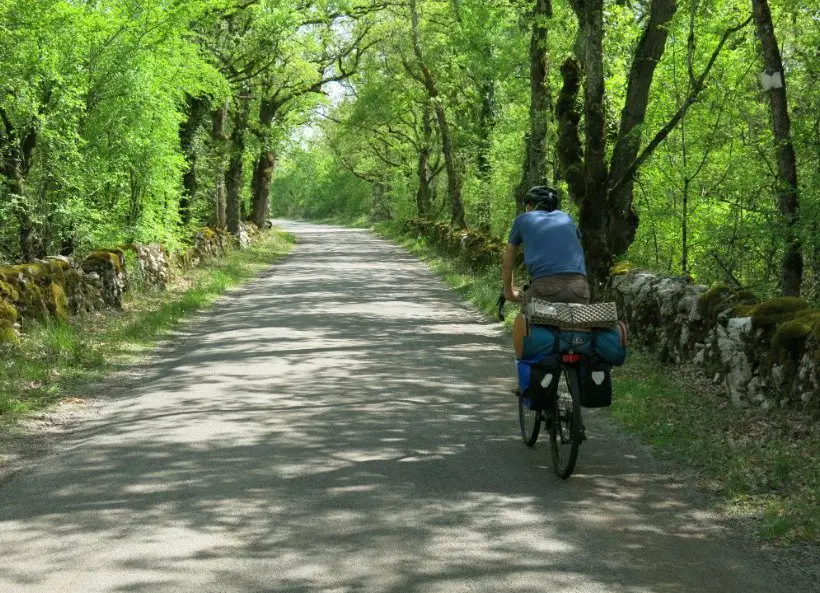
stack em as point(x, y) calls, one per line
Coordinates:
point(774, 83)
point(290, 78)
point(421, 72)
point(536, 146)
point(604, 190)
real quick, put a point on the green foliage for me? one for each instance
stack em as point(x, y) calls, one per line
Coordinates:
point(114, 101)
point(714, 172)
point(307, 178)
point(106, 105)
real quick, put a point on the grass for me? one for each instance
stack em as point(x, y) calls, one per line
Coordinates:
point(759, 464)
point(53, 358)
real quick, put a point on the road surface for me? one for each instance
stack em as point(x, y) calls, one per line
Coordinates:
point(343, 424)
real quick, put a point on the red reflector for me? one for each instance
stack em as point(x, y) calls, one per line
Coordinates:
point(571, 357)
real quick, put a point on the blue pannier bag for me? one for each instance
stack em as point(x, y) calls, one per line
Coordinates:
point(538, 380)
point(603, 344)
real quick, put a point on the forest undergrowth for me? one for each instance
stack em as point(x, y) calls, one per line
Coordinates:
point(758, 464)
point(55, 359)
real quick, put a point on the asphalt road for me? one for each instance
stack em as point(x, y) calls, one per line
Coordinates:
point(343, 425)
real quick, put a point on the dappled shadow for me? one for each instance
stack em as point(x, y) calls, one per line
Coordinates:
point(345, 425)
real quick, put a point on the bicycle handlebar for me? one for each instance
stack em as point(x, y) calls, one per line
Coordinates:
point(502, 300)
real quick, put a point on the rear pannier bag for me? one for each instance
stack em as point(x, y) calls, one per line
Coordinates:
point(596, 383)
point(538, 381)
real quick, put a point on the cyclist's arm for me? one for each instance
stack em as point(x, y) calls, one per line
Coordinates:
point(510, 254)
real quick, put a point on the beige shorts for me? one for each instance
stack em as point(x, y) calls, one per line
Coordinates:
point(560, 288)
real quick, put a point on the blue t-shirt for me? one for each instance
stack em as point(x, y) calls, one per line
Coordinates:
point(551, 243)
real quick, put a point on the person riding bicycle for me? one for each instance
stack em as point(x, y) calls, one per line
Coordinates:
point(552, 251)
point(552, 254)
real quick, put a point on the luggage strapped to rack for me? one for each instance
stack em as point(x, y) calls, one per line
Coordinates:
point(553, 329)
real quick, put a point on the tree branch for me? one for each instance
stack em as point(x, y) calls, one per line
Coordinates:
point(696, 89)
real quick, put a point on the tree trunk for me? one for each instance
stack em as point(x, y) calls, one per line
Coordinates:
point(623, 221)
point(234, 177)
point(16, 152)
point(423, 199)
point(196, 108)
point(264, 166)
point(684, 259)
point(483, 165)
point(570, 151)
point(30, 247)
point(791, 271)
point(457, 218)
point(262, 177)
point(607, 219)
point(592, 217)
point(535, 166)
point(219, 139)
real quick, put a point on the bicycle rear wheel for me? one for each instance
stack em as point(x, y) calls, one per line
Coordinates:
point(530, 422)
point(565, 426)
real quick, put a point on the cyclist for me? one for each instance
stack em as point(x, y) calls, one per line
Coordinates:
point(552, 253)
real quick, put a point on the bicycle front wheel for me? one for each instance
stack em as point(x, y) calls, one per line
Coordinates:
point(565, 426)
point(530, 422)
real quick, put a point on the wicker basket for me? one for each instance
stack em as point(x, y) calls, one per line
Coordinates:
point(572, 315)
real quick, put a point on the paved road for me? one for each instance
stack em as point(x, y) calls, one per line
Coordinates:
point(342, 426)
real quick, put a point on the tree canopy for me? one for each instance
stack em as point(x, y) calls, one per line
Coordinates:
point(685, 136)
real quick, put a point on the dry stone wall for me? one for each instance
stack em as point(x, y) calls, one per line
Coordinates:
point(58, 287)
point(474, 247)
point(763, 353)
point(154, 264)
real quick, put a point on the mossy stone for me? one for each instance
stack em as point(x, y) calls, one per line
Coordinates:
point(8, 292)
point(112, 256)
point(32, 301)
point(8, 312)
point(59, 269)
point(734, 303)
point(709, 302)
point(745, 297)
point(791, 336)
point(773, 312)
point(59, 301)
point(622, 268)
point(8, 335)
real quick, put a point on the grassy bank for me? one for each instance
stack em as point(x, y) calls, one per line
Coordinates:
point(54, 358)
point(761, 464)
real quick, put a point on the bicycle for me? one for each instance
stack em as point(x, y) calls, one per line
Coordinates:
point(559, 412)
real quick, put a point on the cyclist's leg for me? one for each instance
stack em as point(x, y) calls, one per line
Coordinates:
point(519, 333)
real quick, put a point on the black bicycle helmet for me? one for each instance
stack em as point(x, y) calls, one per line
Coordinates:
point(545, 197)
